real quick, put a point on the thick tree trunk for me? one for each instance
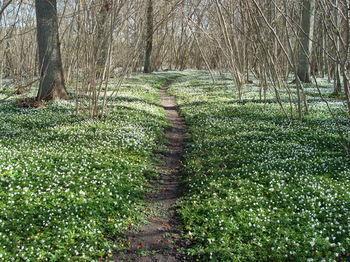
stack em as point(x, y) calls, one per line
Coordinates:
point(50, 63)
point(149, 38)
point(306, 38)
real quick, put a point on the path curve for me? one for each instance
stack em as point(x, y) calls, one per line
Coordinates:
point(159, 239)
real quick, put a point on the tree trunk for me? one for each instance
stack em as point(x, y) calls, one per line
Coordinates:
point(101, 48)
point(337, 82)
point(149, 38)
point(306, 38)
point(345, 52)
point(9, 68)
point(51, 70)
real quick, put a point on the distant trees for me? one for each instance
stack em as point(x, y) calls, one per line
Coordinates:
point(270, 42)
point(3, 7)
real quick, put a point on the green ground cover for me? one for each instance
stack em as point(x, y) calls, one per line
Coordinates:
point(69, 185)
point(261, 187)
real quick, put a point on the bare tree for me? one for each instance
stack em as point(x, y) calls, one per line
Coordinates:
point(51, 70)
point(261, 40)
point(306, 40)
point(149, 37)
point(101, 48)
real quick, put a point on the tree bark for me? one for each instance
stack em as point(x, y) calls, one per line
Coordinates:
point(101, 48)
point(345, 52)
point(337, 82)
point(51, 70)
point(306, 39)
point(149, 38)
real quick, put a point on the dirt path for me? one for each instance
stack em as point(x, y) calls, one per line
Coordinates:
point(158, 240)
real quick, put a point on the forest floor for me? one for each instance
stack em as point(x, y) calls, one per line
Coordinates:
point(205, 175)
point(160, 238)
point(71, 186)
point(262, 185)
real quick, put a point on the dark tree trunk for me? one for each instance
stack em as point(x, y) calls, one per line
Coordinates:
point(337, 82)
point(306, 38)
point(9, 68)
point(50, 63)
point(149, 38)
point(101, 49)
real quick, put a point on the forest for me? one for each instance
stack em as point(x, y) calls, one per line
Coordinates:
point(174, 130)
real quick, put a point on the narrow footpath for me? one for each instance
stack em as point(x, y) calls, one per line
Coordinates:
point(159, 239)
